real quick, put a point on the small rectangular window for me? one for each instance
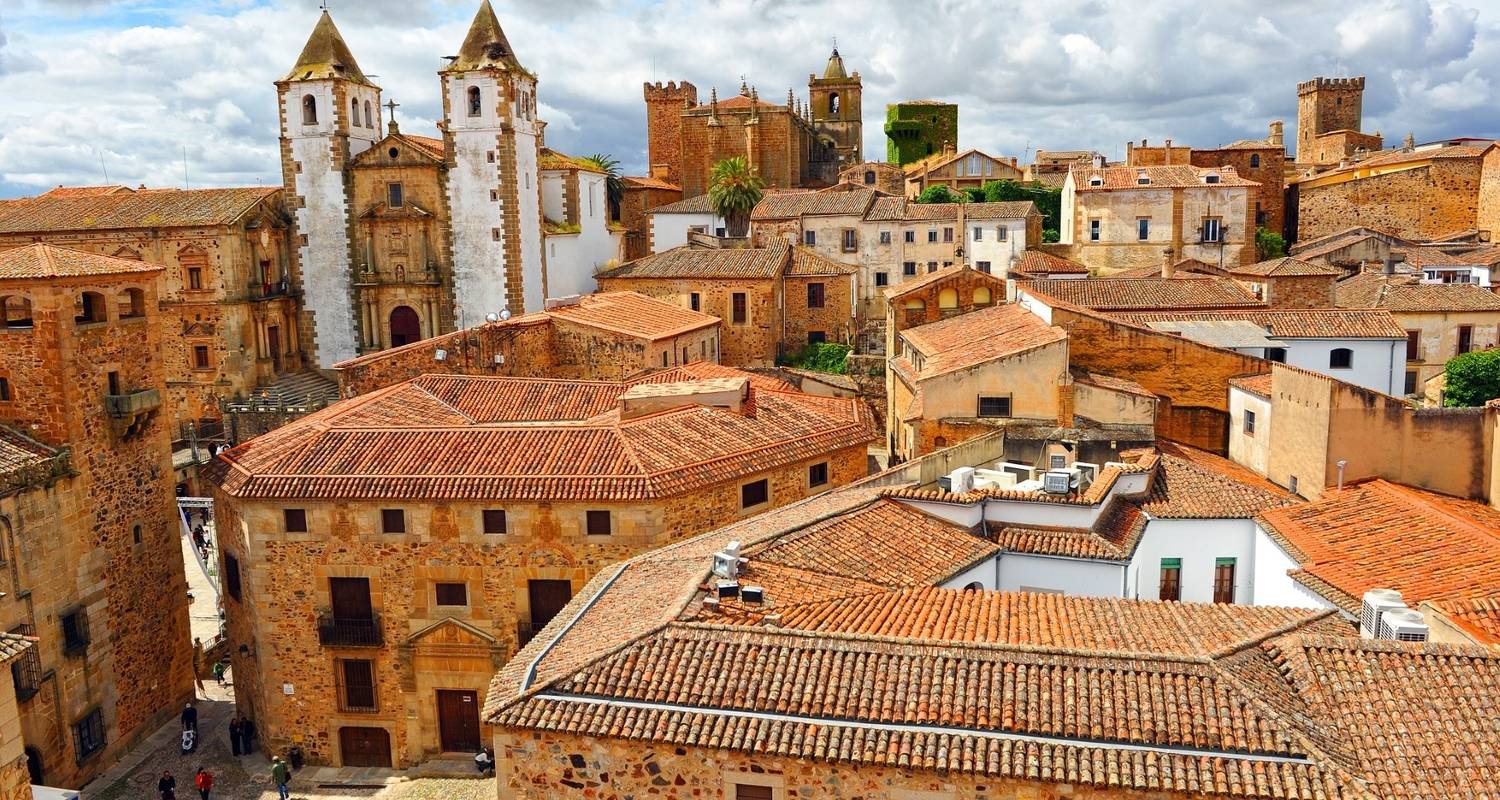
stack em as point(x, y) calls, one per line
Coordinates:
point(984, 266)
point(232, 575)
point(815, 295)
point(817, 474)
point(1171, 579)
point(754, 493)
point(978, 234)
point(195, 277)
point(740, 314)
point(849, 243)
point(885, 237)
point(1143, 229)
point(932, 266)
point(494, 520)
point(1413, 345)
point(200, 356)
point(489, 156)
point(1223, 580)
point(394, 196)
point(1249, 422)
point(452, 594)
point(1292, 484)
point(88, 734)
point(392, 520)
point(1465, 338)
point(1094, 225)
point(1210, 230)
point(816, 337)
point(598, 523)
point(695, 301)
point(1411, 382)
point(908, 268)
point(494, 195)
point(882, 279)
point(744, 791)
point(4, 390)
point(810, 238)
point(1002, 233)
point(994, 406)
point(357, 684)
point(931, 235)
point(75, 631)
point(911, 237)
point(294, 519)
point(947, 235)
point(495, 234)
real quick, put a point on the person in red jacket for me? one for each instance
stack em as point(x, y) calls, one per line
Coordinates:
point(204, 780)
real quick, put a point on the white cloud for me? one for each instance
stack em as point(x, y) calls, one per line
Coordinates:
point(136, 84)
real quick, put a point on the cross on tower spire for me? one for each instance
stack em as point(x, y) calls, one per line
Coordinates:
point(391, 106)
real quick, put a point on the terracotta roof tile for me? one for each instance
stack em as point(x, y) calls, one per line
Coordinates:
point(786, 205)
point(1186, 268)
point(49, 261)
point(1284, 267)
point(1195, 484)
point(1177, 176)
point(633, 314)
point(1377, 534)
point(1372, 290)
point(552, 159)
point(649, 182)
point(1255, 384)
point(808, 262)
point(1479, 617)
point(155, 208)
point(687, 205)
point(1332, 323)
point(899, 209)
point(978, 337)
point(763, 263)
point(1040, 264)
point(13, 645)
point(20, 453)
point(1108, 294)
point(904, 288)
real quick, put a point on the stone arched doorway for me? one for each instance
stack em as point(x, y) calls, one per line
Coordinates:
point(406, 326)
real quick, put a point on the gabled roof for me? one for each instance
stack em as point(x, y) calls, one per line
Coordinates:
point(650, 182)
point(326, 57)
point(762, 263)
point(1113, 294)
point(633, 314)
point(426, 146)
point(786, 205)
point(1479, 617)
point(806, 262)
point(972, 339)
point(1285, 267)
point(938, 276)
point(49, 261)
point(485, 45)
point(1173, 177)
point(1372, 290)
point(1378, 534)
point(148, 208)
point(534, 439)
point(1194, 484)
point(687, 205)
point(1039, 264)
point(1303, 323)
point(940, 160)
point(1185, 268)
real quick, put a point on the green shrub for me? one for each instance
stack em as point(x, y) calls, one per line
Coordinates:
point(824, 357)
point(1268, 244)
point(1472, 379)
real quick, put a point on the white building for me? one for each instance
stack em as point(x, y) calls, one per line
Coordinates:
point(670, 224)
point(575, 210)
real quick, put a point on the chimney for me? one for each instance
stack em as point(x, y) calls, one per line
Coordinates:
point(947, 147)
point(1167, 156)
point(1168, 265)
point(1276, 131)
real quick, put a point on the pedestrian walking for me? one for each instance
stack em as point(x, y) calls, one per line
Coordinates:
point(198, 663)
point(167, 786)
point(236, 728)
point(190, 718)
point(247, 735)
point(219, 669)
point(204, 781)
point(280, 776)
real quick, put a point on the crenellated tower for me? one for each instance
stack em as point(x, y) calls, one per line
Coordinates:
point(330, 112)
point(1325, 105)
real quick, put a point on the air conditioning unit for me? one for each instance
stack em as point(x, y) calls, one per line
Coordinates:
point(1403, 625)
point(1059, 481)
point(961, 480)
point(1376, 602)
point(994, 479)
point(1089, 472)
point(1029, 486)
point(753, 594)
point(727, 562)
point(1023, 472)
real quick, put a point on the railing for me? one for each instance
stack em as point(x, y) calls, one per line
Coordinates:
point(335, 632)
point(267, 291)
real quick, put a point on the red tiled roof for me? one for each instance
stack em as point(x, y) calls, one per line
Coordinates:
point(1479, 617)
point(1186, 268)
point(466, 439)
point(1039, 264)
point(1175, 176)
point(49, 261)
point(904, 288)
point(969, 340)
point(807, 262)
point(633, 314)
point(1111, 382)
point(899, 209)
point(1377, 534)
point(763, 263)
point(84, 191)
point(786, 205)
point(1372, 290)
point(1195, 484)
point(1318, 323)
point(687, 205)
point(1255, 384)
point(1146, 294)
point(19, 452)
point(153, 208)
point(1284, 267)
point(649, 182)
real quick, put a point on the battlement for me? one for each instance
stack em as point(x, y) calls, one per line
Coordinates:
point(670, 91)
point(1321, 84)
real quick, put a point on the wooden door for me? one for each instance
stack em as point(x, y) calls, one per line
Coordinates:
point(273, 341)
point(350, 598)
point(365, 747)
point(406, 326)
point(458, 721)
point(547, 598)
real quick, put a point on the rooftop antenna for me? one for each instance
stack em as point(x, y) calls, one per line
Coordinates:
point(102, 168)
point(184, 167)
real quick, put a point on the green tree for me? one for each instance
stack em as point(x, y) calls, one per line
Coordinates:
point(614, 187)
point(941, 194)
point(1472, 379)
point(734, 188)
point(1048, 201)
point(1269, 244)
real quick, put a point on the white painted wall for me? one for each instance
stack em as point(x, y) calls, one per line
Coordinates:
point(1198, 542)
point(983, 573)
point(671, 230)
point(554, 206)
point(1000, 254)
point(323, 217)
point(1378, 364)
point(529, 202)
point(573, 259)
point(478, 257)
point(1251, 451)
point(1272, 585)
point(1074, 576)
point(1031, 303)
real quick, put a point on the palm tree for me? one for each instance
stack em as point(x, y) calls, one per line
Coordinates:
point(614, 187)
point(733, 190)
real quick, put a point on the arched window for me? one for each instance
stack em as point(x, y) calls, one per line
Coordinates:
point(833, 102)
point(982, 296)
point(132, 304)
point(369, 118)
point(17, 311)
point(870, 176)
point(948, 299)
point(1340, 358)
point(353, 111)
point(406, 326)
point(90, 308)
point(309, 110)
point(974, 586)
point(475, 104)
point(1254, 160)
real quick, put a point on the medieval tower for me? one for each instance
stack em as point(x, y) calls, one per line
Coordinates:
point(493, 139)
point(330, 112)
point(1325, 105)
point(836, 109)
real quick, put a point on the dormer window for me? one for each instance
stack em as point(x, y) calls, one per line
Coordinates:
point(1142, 179)
point(1210, 178)
point(309, 110)
point(474, 101)
point(1096, 181)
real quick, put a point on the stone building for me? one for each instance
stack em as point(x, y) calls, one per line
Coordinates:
point(1419, 192)
point(88, 528)
point(960, 172)
point(1329, 114)
point(1259, 160)
point(797, 144)
point(602, 336)
point(229, 286)
point(771, 301)
point(641, 196)
point(878, 175)
point(378, 271)
point(376, 594)
point(917, 129)
point(1441, 320)
point(915, 680)
point(15, 777)
point(1051, 167)
point(1123, 217)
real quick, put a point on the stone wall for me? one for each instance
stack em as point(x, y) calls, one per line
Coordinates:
point(1264, 165)
point(664, 105)
point(835, 319)
point(1298, 291)
point(1487, 215)
point(778, 144)
point(537, 766)
point(524, 345)
point(1425, 201)
point(634, 208)
point(1325, 105)
point(752, 343)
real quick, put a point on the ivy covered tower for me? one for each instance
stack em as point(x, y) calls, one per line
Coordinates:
point(493, 137)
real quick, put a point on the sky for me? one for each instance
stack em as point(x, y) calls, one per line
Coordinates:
point(175, 92)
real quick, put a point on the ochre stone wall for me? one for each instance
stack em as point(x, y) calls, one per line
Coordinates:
point(284, 580)
point(889, 178)
point(1325, 105)
point(539, 766)
point(1421, 203)
point(751, 343)
point(664, 105)
point(634, 208)
point(1298, 291)
point(835, 319)
point(1268, 200)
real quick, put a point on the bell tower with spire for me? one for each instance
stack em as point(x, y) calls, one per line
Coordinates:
point(330, 112)
point(493, 134)
point(836, 109)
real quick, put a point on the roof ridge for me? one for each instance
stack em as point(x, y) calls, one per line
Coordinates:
point(455, 409)
point(1409, 498)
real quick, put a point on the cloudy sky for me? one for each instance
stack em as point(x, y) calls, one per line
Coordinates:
point(136, 87)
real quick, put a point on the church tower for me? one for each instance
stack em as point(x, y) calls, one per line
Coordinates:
point(330, 112)
point(836, 109)
point(494, 189)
